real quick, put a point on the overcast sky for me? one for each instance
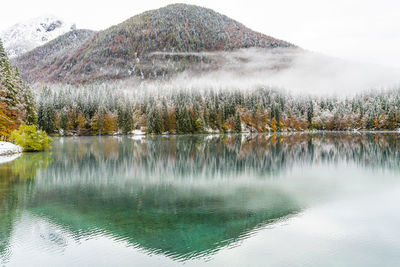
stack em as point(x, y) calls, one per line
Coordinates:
point(360, 30)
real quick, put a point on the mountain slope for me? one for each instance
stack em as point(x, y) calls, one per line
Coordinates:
point(43, 60)
point(154, 43)
point(25, 36)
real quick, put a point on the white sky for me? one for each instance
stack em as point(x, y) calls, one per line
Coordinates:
point(360, 30)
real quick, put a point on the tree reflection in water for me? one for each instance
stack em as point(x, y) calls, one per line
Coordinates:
point(181, 196)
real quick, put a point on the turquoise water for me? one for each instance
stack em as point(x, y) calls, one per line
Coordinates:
point(261, 200)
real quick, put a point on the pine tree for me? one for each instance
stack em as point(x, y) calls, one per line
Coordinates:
point(81, 125)
point(100, 122)
point(63, 120)
point(198, 125)
point(370, 121)
point(46, 112)
point(391, 122)
point(125, 117)
point(154, 123)
point(273, 125)
point(29, 103)
point(183, 121)
point(165, 116)
point(376, 123)
point(95, 125)
point(238, 123)
point(310, 112)
point(110, 124)
point(11, 96)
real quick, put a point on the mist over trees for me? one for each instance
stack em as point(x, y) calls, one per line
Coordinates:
point(114, 108)
point(107, 110)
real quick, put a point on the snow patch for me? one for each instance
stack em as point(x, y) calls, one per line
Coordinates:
point(7, 148)
point(138, 132)
point(210, 130)
point(9, 152)
point(138, 135)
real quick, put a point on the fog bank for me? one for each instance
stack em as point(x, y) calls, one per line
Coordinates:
point(294, 70)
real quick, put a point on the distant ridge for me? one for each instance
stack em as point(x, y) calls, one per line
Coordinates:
point(148, 45)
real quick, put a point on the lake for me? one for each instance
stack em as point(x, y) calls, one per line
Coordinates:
point(325, 199)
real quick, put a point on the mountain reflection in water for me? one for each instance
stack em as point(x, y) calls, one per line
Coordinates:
point(184, 197)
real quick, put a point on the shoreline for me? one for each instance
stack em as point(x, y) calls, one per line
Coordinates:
point(143, 134)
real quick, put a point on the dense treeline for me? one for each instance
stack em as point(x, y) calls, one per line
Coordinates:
point(105, 110)
point(16, 99)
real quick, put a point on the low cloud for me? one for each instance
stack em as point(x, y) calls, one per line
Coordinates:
point(294, 70)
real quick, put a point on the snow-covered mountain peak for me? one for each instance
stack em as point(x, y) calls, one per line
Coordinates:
point(25, 36)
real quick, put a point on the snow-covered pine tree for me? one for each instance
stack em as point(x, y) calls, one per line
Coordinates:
point(125, 117)
point(238, 122)
point(46, 111)
point(11, 97)
point(154, 123)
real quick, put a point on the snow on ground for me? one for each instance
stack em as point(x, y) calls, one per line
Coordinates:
point(138, 132)
point(138, 135)
point(9, 152)
point(7, 148)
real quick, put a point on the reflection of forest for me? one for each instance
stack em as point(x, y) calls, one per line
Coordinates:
point(205, 156)
point(164, 194)
point(187, 157)
point(14, 185)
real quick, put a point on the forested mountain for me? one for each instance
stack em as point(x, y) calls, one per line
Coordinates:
point(152, 44)
point(16, 99)
point(25, 36)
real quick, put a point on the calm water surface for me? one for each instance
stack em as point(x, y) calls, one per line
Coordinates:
point(285, 200)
